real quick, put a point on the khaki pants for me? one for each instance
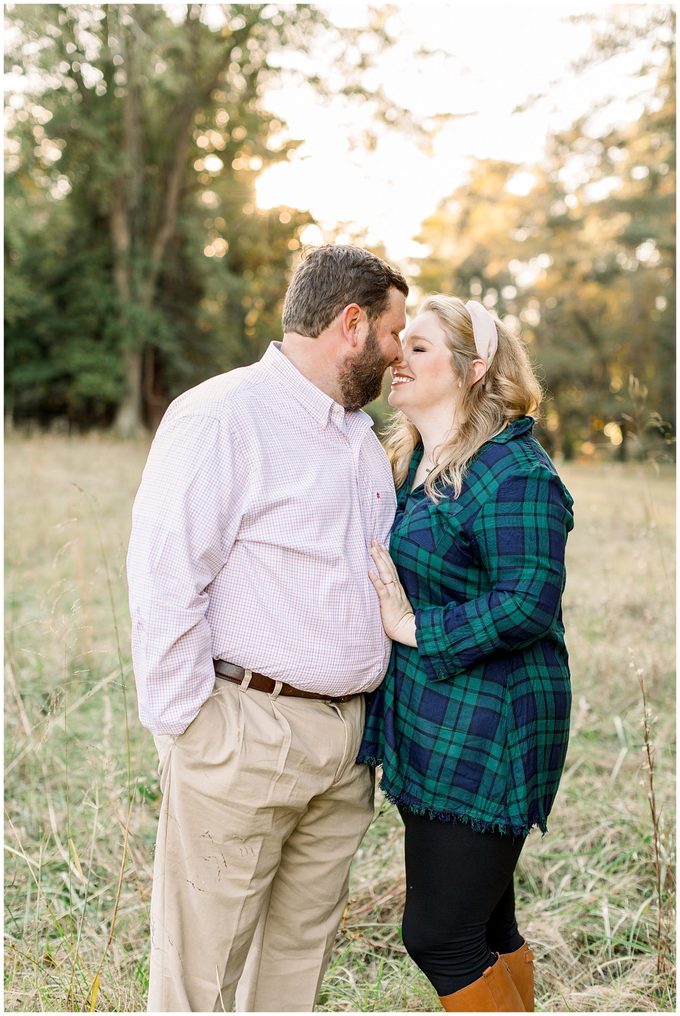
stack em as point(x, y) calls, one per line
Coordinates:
point(263, 809)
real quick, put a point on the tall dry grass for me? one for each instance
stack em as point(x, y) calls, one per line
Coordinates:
point(595, 895)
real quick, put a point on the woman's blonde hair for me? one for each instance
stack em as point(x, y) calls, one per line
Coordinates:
point(508, 391)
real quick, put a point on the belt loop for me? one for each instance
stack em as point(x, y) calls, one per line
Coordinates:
point(278, 685)
point(246, 679)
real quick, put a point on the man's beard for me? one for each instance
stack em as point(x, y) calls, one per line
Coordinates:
point(360, 378)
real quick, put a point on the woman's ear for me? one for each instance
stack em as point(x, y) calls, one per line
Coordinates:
point(478, 371)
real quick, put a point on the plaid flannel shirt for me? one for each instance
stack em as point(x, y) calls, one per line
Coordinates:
point(472, 724)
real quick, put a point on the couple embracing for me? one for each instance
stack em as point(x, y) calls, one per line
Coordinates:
point(297, 624)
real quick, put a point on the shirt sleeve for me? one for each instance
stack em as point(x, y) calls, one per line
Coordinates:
point(521, 536)
point(184, 520)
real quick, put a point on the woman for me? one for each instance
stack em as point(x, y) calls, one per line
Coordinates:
point(471, 722)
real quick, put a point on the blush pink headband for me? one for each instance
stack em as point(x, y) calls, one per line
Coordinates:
point(484, 331)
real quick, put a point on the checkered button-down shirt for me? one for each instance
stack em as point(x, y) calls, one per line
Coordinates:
point(472, 724)
point(250, 538)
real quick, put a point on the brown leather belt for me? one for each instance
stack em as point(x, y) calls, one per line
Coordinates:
point(230, 672)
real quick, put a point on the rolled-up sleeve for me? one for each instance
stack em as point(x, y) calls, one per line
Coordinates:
point(184, 520)
point(520, 535)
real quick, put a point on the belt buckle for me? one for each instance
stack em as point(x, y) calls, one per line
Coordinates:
point(229, 670)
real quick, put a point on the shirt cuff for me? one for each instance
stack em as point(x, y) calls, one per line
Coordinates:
point(434, 645)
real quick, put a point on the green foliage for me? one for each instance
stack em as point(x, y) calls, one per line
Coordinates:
point(584, 261)
point(61, 343)
point(130, 195)
point(137, 262)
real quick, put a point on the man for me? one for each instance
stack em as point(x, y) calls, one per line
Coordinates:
point(255, 633)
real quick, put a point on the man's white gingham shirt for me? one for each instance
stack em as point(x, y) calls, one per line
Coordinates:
point(250, 538)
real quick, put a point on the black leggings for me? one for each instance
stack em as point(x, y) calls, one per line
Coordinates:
point(460, 899)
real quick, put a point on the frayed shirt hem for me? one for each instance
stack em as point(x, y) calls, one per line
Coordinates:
point(480, 825)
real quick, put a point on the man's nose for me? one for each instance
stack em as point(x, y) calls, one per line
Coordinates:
point(399, 356)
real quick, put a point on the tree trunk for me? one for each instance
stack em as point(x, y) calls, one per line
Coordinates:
point(129, 418)
point(131, 285)
point(128, 421)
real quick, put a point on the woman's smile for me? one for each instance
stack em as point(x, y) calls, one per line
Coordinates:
point(425, 358)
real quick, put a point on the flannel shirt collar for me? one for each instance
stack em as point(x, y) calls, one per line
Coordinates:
point(320, 406)
point(514, 429)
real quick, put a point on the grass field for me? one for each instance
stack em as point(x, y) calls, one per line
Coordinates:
point(595, 895)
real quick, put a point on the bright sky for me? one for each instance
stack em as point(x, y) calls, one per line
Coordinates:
point(492, 58)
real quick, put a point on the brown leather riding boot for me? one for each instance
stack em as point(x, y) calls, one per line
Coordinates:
point(521, 964)
point(494, 991)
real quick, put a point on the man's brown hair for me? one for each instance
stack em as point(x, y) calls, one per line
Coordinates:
point(329, 278)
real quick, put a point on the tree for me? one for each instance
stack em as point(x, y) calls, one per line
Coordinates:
point(582, 255)
point(136, 141)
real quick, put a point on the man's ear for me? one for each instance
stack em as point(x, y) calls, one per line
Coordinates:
point(351, 318)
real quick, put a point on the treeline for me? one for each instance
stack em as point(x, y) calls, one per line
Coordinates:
point(137, 261)
point(580, 252)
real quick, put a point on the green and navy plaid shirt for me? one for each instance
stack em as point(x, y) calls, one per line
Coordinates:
point(472, 725)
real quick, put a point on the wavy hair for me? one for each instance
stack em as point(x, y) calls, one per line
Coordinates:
point(508, 391)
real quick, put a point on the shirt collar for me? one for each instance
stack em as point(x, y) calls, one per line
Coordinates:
point(514, 429)
point(319, 405)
